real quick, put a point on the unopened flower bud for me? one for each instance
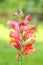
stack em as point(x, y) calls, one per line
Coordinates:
point(15, 14)
point(28, 17)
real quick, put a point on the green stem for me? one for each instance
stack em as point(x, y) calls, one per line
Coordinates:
point(21, 60)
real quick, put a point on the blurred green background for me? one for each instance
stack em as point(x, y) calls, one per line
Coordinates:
point(8, 53)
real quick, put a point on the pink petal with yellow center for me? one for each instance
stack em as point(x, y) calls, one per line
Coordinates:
point(15, 35)
point(14, 42)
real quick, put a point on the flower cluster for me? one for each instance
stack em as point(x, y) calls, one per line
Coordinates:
point(21, 32)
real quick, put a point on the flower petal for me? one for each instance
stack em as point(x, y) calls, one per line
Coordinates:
point(13, 24)
point(15, 44)
point(28, 47)
point(21, 23)
point(15, 35)
point(28, 35)
point(30, 27)
point(15, 39)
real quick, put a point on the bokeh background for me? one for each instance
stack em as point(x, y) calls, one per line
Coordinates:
point(8, 53)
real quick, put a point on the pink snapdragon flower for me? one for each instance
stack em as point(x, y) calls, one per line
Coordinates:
point(13, 25)
point(15, 39)
point(22, 32)
point(27, 48)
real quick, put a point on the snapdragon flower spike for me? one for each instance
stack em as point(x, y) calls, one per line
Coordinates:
point(16, 37)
